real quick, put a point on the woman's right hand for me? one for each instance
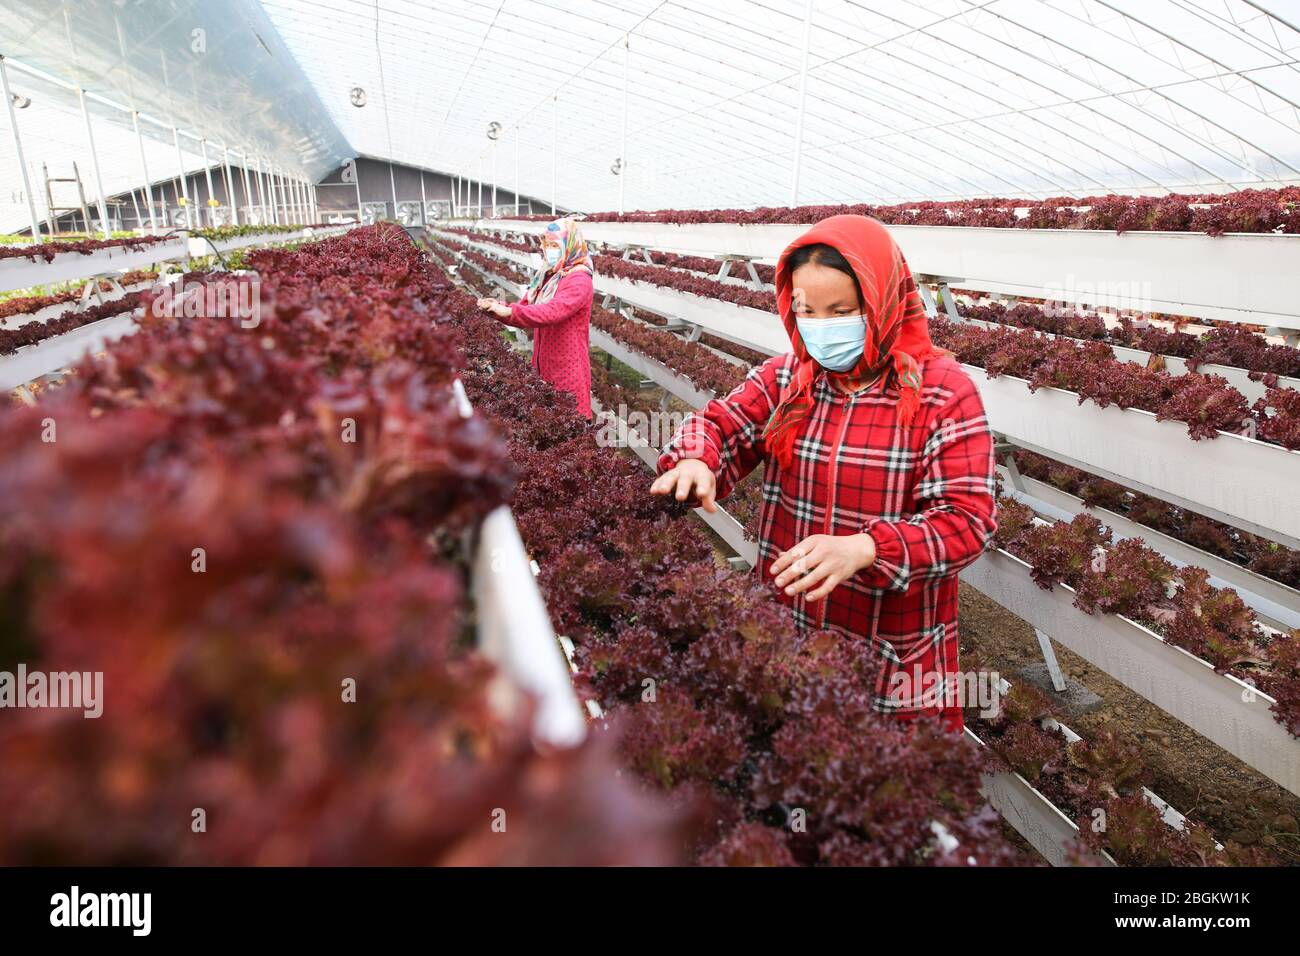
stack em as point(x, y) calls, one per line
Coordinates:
point(690, 475)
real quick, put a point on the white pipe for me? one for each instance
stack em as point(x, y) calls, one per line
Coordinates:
point(271, 208)
point(356, 178)
point(207, 175)
point(94, 165)
point(180, 164)
point(248, 189)
point(18, 148)
point(277, 195)
point(622, 156)
point(555, 150)
point(803, 97)
point(261, 189)
point(144, 166)
point(230, 189)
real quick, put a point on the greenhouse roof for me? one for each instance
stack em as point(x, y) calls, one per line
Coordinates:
point(923, 99)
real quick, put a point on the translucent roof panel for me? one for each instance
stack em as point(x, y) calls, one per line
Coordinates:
point(215, 71)
point(54, 139)
point(923, 99)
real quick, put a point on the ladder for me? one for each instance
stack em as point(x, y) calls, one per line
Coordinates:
point(56, 211)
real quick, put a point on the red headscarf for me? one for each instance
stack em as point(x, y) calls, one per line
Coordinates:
point(897, 334)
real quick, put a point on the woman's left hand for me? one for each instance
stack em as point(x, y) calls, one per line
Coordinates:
point(825, 560)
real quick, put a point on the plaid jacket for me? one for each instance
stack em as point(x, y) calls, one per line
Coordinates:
point(926, 496)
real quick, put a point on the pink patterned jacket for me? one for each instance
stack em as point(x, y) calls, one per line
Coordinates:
point(560, 342)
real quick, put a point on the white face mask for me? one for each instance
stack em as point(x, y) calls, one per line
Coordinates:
point(835, 344)
point(551, 254)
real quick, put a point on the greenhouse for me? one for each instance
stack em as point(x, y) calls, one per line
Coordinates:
point(639, 433)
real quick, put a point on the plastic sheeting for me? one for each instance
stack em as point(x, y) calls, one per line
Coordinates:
point(906, 99)
point(216, 70)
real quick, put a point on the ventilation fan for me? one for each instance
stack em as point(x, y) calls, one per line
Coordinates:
point(373, 212)
point(410, 214)
point(437, 209)
point(183, 217)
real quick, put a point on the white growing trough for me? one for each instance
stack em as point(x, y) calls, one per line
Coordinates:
point(514, 627)
point(1246, 483)
point(1154, 271)
point(23, 273)
point(56, 310)
point(62, 351)
point(1273, 602)
point(651, 368)
point(199, 246)
point(1219, 707)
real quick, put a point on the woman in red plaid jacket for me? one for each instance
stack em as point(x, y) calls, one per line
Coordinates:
point(878, 484)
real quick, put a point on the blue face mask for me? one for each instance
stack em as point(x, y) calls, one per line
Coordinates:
point(835, 344)
point(552, 254)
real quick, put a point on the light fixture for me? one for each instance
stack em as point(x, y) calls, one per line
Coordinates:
point(357, 96)
point(22, 102)
point(494, 130)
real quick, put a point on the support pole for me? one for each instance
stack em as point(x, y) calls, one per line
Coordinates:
point(555, 149)
point(392, 182)
point(424, 199)
point(207, 174)
point(803, 98)
point(230, 186)
point(356, 170)
point(94, 165)
point(135, 204)
point(494, 179)
point(270, 195)
point(277, 196)
point(1049, 658)
point(144, 167)
point(517, 131)
point(180, 166)
point(622, 155)
point(248, 191)
point(18, 149)
point(261, 190)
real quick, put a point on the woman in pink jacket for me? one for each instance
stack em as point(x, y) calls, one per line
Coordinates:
point(557, 305)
